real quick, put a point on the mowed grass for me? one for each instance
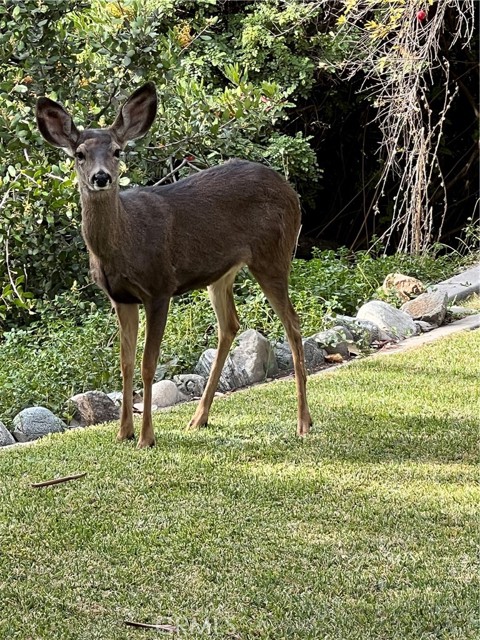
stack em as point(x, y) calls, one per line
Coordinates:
point(368, 528)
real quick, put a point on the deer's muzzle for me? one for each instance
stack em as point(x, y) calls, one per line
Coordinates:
point(101, 180)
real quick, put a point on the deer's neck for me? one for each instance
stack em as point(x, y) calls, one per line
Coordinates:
point(103, 220)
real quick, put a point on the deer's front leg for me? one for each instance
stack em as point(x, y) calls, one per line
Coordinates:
point(127, 315)
point(156, 317)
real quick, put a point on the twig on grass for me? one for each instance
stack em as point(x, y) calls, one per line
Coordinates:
point(48, 483)
point(168, 628)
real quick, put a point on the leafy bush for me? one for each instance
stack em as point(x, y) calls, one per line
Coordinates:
point(211, 107)
point(46, 364)
point(75, 347)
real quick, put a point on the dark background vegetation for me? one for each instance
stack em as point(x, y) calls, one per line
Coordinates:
point(260, 80)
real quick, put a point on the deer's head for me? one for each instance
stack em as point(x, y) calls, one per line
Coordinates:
point(97, 151)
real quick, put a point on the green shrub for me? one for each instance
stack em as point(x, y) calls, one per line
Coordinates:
point(213, 105)
point(47, 363)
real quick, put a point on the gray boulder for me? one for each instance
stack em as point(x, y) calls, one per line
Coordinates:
point(116, 397)
point(344, 332)
point(227, 379)
point(457, 312)
point(283, 356)
point(393, 321)
point(333, 341)
point(429, 307)
point(254, 357)
point(190, 385)
point(36, 422)
point(377, 333)
point(93, 407)
point(165, 394)
point(424, 327)
point(314, 356)
point(6, 437)
point(252, 361)
point(363, 332)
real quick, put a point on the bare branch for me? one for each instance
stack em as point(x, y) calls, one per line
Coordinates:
point(398, 49)
point(49, 483)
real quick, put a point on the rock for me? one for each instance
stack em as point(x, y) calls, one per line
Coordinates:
point(363, 332)
point(314, 356)
point(165, 394)
point(190, 385)
point(93, 407)
point(462, 285)
point(333, 341)
point(430, 307)
point(283, 355)
point(138, 407)
point(36, 422)
point(254, 357)
point(377, 333)
point(405, 287)
point(116, 397)
point(344, 331)
point(252, 361)
point(460, 312)
point(393, 321)
point(424, 327)
point(227, 377)
point(137, 396)
point(6, 437)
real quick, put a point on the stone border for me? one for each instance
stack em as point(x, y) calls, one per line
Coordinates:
point(402, 335)
point(469, 323)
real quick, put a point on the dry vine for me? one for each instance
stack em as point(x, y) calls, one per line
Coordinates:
point(397, 47)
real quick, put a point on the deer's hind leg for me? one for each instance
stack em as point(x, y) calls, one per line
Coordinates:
point(127, 316)
point(274, 284)
point(221, 297)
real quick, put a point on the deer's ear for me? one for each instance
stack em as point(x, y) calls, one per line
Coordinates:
point(137, 114)
point(56, 125)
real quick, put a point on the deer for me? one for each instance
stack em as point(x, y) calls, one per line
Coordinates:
point(148, 244)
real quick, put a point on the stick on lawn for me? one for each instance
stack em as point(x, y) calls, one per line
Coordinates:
point(170, 628)
point(48, 483)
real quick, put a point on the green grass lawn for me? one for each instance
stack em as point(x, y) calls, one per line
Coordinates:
point(368, 528)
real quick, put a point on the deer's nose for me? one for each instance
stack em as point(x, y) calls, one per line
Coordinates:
point(101, 179)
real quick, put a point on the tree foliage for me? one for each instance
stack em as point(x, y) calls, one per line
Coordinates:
point(261, 80)
point(215, 102)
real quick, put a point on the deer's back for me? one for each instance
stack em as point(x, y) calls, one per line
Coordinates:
point(198, 228)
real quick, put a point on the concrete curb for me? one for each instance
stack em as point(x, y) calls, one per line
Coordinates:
point(469, 323)
point(462, 286)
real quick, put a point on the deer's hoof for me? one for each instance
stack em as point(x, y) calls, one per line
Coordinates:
point(121, 437)
point(303, 428)
point(197, 423)
point(145, 444)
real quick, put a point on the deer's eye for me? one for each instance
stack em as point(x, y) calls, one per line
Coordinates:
point(80, 155)
point(116, 153)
